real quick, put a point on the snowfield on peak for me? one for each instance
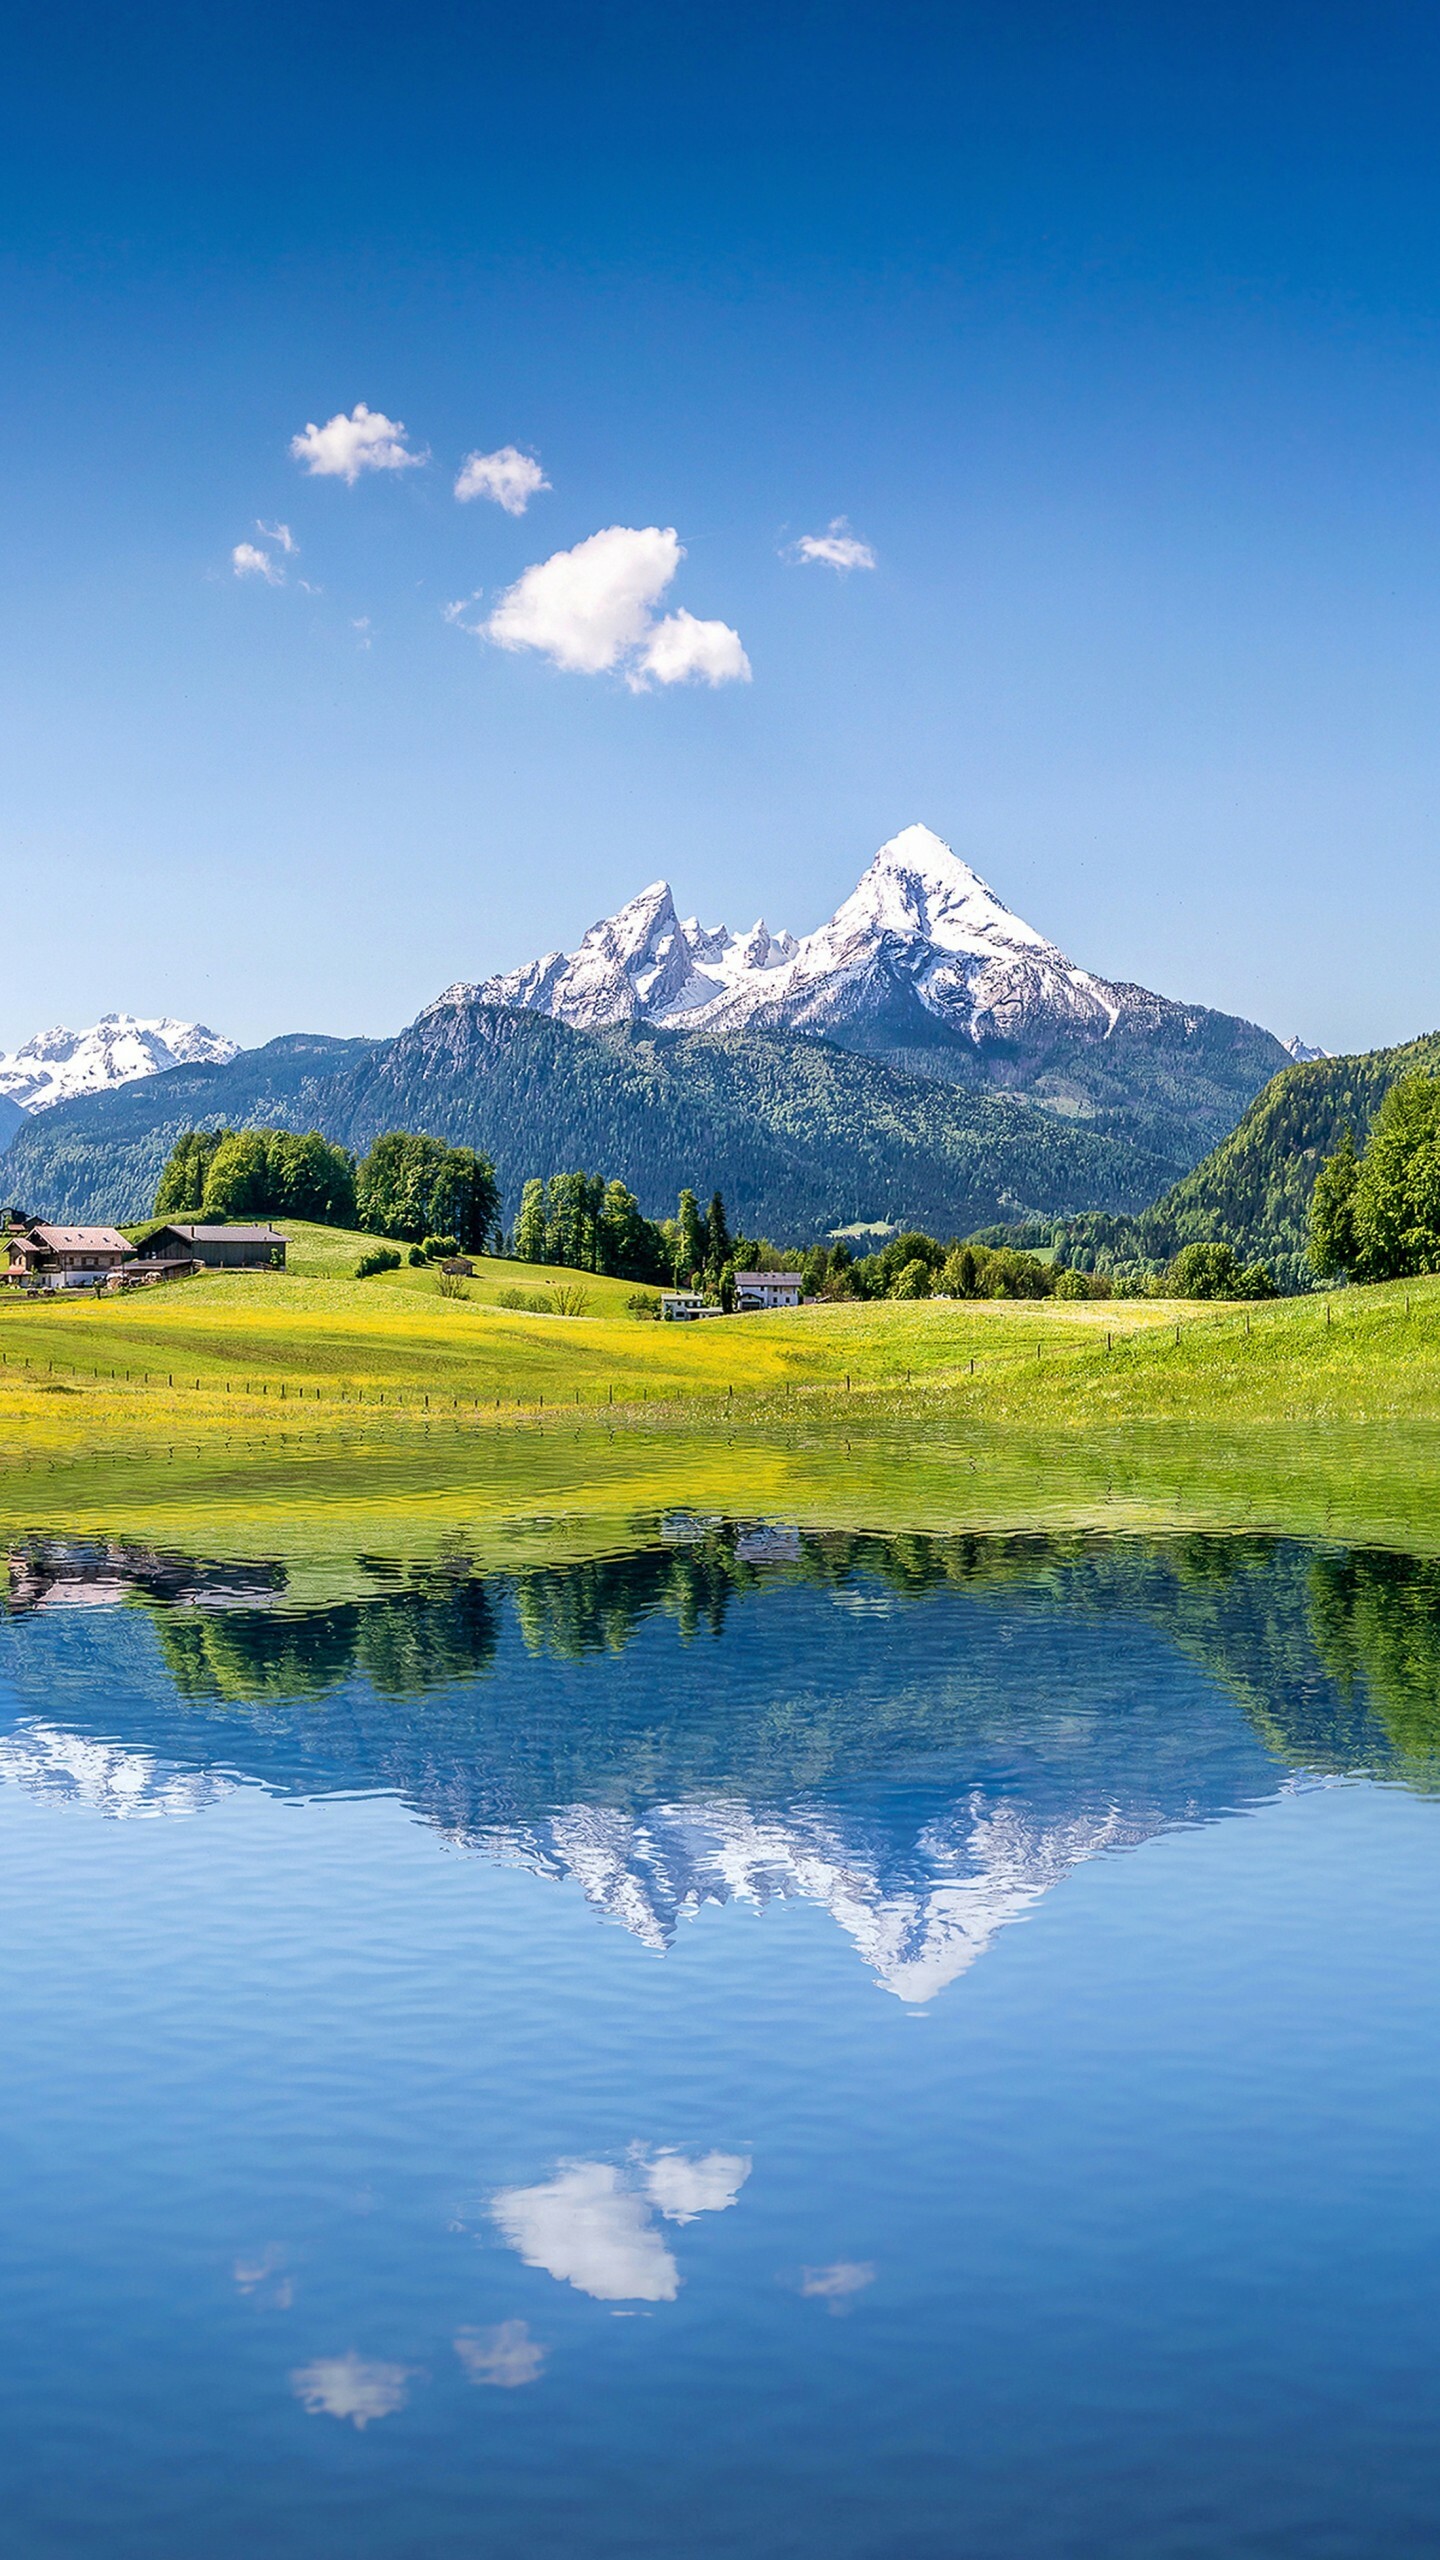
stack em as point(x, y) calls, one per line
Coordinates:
point(921, 932)
point(60, 1065)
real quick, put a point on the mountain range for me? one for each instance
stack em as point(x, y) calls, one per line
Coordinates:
point(925, 1056)
point(59, 1065)
point(925, 967)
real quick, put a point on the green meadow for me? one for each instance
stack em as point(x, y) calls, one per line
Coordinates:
point(250, 1412)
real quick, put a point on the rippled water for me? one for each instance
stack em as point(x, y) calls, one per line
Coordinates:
point(773, 2043)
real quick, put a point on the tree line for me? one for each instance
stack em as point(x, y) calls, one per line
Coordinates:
point(408, 1186)
point(582, 1222)
point(415, 1188)
point(919, 1266)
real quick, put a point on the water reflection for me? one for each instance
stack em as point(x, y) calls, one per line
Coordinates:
point(354, 2387)
point(366, 2195)
point(506, 2356)
point(924, 1736)
point(592, 2225)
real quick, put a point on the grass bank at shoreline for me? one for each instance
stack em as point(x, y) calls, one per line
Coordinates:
point(285, 1414)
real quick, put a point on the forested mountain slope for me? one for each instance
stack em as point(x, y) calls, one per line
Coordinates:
point(1254, 1188)
point(799, 1135)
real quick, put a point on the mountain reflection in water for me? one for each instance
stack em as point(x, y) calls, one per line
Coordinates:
point(922, 1735)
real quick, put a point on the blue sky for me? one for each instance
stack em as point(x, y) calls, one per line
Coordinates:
point(1111, 331)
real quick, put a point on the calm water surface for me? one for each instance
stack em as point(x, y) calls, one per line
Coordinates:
point(768, 2044)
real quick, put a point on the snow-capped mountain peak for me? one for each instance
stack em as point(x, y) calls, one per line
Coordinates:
point(59, 1065)
point(917, 886)
point(921, 934)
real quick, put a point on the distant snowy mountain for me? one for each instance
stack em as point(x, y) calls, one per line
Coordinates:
point(60, 1065)
point(1302, 1054)
point(925, 967)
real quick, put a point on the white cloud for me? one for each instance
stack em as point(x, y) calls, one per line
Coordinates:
point(593, 609)
point(505, 2357)
point(586, 2228)
point(344, 447)
point(838, 547)
point(351, 2386)
point(588, 608)
point(681, 650)
point(508, 476)
point(250, 563)
point(279, 534)
point(681, 2188)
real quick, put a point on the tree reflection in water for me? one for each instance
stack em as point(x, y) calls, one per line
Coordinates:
point(923, 1733)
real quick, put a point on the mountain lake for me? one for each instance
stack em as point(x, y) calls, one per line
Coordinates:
point(811, 2044)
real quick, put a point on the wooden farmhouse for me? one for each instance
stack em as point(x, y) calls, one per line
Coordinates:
point(217, 1248)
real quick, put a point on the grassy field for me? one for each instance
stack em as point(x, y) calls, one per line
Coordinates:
point(316, 1335)
point(252, 1411)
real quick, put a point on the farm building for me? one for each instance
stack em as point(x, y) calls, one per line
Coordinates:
point(218, 1248)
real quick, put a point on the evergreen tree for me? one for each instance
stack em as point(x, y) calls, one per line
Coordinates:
point(528, 1241)
point(690, 1242)
point(718, 1247)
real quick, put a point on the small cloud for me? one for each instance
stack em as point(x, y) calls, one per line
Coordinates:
point(681, 650)
point(505, 2357)
point(353, 2387)
point(591, 609)
point(836, 2285)
point(508, 476)
point(838, 547)
point(681, 2188)
point(279, 534)
point(344, 447)
point(247, 562)
point(361, 627)
point(455, 613)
